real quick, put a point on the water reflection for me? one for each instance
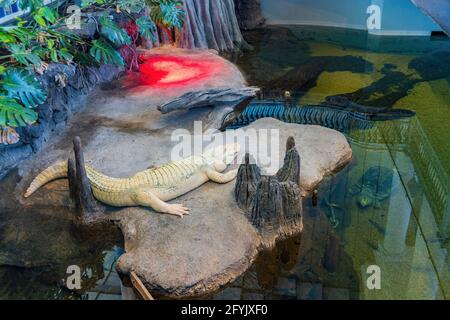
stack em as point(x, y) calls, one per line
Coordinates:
point(39, 243)
point(380, 210)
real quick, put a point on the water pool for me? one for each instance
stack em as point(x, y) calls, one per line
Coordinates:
point(407, 236)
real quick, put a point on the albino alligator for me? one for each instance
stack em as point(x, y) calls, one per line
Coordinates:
point(152, 187)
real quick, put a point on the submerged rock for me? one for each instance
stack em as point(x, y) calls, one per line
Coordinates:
point(432, 66)
point(384, 93)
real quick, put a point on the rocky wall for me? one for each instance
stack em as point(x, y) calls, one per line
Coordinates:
point(67, 88)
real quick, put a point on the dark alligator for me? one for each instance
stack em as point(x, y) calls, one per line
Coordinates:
point(374, 113)
point(338, 114)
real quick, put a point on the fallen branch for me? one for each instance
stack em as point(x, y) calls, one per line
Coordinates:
point(217, 97)
point(226, 103)
point(140, 287)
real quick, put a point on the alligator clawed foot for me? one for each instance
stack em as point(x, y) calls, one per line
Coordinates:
point(177, 210)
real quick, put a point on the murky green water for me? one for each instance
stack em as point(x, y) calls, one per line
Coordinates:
point(405, 165)
point(39, 244)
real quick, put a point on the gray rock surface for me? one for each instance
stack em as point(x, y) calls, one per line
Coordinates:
point(67, 87)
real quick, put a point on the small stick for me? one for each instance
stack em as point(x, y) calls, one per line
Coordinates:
point(140, 287)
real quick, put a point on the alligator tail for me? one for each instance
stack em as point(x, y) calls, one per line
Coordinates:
point(56, 171)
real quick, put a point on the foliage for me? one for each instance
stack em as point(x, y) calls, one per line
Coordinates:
point(13, 114)
point(147, 28)
point(23, 86)
point(104, 52)
point(29, 45)
point(131, 6)
point(113, 32)
point(24, 55)
point(168, 13)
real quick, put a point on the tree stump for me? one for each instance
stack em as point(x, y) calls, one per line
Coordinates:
point(79, 185)
point(272, 203)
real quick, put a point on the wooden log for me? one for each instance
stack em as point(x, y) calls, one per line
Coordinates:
point(247, 180)
point(140, 287)
point(216, 97)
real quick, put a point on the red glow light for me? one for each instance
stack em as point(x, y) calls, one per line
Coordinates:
point(163, 71)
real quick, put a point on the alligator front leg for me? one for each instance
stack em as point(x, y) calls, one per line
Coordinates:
point(221, 177)
point(148, 199)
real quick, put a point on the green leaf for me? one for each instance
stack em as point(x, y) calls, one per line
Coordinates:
point(22, 85)
point(169, 13)
point(22, 33)
point(103, 52)
point(24, 56)
point(173, 14)
point(47, 13)
point(64, 54)
point(13, 114)
point(6, 37)
point(147, 28)
point(40, 21)
point(54, 55)
point(88, 3)
point(131, 6)
point(113, 32)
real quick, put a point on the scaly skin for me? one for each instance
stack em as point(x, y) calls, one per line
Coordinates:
point(152, 187)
